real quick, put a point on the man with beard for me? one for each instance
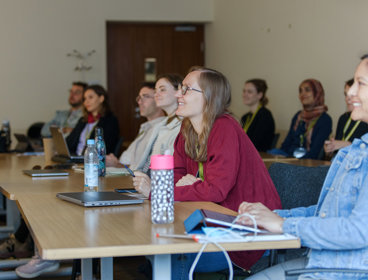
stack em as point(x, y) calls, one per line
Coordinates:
point(67, 119)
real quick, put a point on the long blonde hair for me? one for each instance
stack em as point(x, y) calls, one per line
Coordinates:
point(217, 94)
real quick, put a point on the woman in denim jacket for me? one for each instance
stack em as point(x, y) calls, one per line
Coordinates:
point(336, 228)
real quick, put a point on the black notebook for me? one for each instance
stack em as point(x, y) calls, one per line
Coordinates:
point(203, 217)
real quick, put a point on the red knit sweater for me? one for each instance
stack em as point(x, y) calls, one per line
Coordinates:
point(234, 172)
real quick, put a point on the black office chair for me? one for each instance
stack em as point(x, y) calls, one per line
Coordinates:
point(34, 133)
point(297, 186)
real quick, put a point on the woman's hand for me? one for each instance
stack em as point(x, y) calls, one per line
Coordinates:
point(264, 217)
point(187, 180)
point(111, 160)
point(334, 145)
point(142, 183)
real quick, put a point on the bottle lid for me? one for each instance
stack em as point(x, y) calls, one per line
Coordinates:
point(90, 141)
point(99, 131)
point(162, 162)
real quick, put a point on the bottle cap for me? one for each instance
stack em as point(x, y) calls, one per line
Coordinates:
point(162, 162)
point(90, 141)
point(99, 131)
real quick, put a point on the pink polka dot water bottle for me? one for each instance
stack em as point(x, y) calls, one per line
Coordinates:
point(162, 189)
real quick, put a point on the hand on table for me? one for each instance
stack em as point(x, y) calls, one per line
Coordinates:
point(334, 145)
point(112, 160)
point(187, 180)
point(264, 217)
point(142, 183)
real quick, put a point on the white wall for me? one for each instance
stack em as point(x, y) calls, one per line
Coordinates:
point(36, 35)
point(285, 42)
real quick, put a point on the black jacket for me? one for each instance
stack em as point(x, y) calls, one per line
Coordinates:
point(110, 126)
point(262, 129)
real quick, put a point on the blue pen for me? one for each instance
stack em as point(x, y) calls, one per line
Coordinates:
point(129, 170)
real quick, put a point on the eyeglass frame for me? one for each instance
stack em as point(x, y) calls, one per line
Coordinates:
point(144, 97)
point(184, 90)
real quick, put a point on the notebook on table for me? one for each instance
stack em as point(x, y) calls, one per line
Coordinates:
point(88, 199)
point(45, 173)
point(62, 151)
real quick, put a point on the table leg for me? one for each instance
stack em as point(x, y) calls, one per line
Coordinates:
point(161, 267)
point(107, 268)
point(86, 269)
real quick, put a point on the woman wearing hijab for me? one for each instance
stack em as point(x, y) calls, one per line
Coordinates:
point(335, 229)
point(309, 127)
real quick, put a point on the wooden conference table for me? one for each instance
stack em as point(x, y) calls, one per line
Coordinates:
point(62, 230)
point(268, 159)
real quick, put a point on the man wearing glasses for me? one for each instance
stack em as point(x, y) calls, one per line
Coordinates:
point(138, 151)
point(67, 119)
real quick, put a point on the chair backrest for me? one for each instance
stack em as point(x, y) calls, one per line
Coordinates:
point(297, 185)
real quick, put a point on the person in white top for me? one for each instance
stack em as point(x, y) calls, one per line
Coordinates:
point(165, 95)
point(138, 151)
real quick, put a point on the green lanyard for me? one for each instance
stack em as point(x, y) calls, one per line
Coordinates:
point(200, 168)
point(200, 171)
point(310, 127)
point(346, 138)
point(250, 119)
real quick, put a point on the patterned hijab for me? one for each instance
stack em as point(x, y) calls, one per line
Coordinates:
point(313, 112)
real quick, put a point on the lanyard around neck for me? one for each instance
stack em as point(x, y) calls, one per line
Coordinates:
point(200, 168)
point(250, 119)
point(346, 138)
point(309, 128)
point(200, 171)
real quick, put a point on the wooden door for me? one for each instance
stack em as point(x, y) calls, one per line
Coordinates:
point(174, 47)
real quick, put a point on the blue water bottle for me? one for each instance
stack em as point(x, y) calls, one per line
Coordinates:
point(101, 151)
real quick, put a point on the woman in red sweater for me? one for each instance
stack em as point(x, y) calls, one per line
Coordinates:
point(214, 161)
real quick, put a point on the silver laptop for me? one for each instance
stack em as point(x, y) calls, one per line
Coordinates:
point(61, 147)
point(89, 199)
point(45, 173)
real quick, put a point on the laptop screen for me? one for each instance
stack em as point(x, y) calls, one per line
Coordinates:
point(59, 142)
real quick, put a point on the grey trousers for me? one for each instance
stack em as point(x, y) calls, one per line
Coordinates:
point(277, 272)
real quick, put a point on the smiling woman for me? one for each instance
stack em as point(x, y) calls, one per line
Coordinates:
point(96, 114)
point(335, 229)
point(258, 123)
point(309, 127)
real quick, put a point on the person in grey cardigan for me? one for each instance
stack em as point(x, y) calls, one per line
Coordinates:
point(68, 119)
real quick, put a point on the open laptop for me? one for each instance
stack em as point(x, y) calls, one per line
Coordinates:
point(24, 143)
point(89, 199)
point(61, 147)
point(45, 172)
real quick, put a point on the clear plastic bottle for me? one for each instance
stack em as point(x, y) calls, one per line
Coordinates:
point(90, 167)
point(101, 151)
point(162, 189)
point(5, 129)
